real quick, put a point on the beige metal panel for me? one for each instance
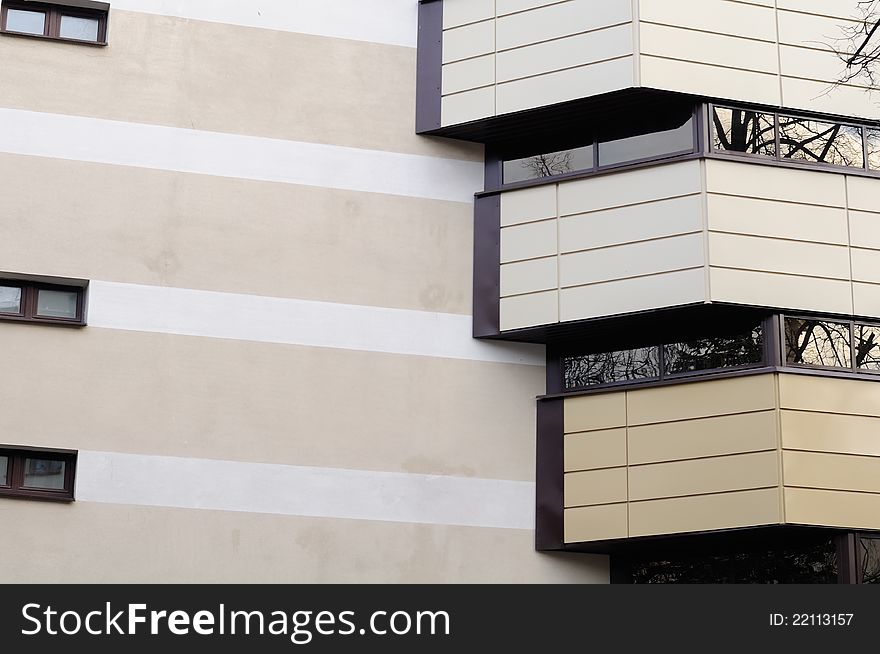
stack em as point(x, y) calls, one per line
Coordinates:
point(704, 512)
point(637, 294)
point(468, 106)
point(776, 255)
point(815, 64)
point(828, 432)
point(468, 74)
point(563, 85)
point(701, 476)
point(637, 222)
point(596, 449)
point(701, 399)
point(511, 6)
point(822, 7)
point(715, 16)
point(704, 79)
point(866, 299)
point(864, 228)
point(847, 396)
point(590, 523)
point(528, 241)
point(469, 41)
point(635, 259)
point(784, 291)
point(568, 52)
point(802, 186)
point(529, 276)
point(863, 193)
point(832, 471)
point(691, 439)
point(595, 412)
point(811, 30)
point(757, 217)
point(630, 188)
point(461, 12)
point(807, 506)
point(708, 48)
point(866, 265)
point(162, 228)
point(557, 20)
point(595, 487)
point(529, 310)
point(528, 205)
point(842, 100)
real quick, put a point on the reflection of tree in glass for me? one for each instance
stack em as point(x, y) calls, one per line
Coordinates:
point(739, 130)
point(870, 560)
point(607, 367)
point(547, 165)
point(817, 343)
point(716, 352)
point(867, 347)
point(811, 140)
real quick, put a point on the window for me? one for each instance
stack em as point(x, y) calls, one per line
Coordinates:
point(740, 130)
point(43, 303)
point(81, 21)
point(41, 474)
point(821, 343)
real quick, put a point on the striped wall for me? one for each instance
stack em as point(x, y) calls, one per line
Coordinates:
point(277, 381)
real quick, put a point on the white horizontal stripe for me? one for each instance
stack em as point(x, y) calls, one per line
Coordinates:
point(232, 155)
point(303, 491)
point(296, 322)
point(393, 22)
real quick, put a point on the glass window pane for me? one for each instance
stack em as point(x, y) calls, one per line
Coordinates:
point(811, 140)
point(44, 473)
point(4, 465)
point(870, 560)
point(608, 367)
point(645, 146)
point(738, 130)
point(82, 29)
point(873, 138)
point(867, 347)
point(817, 343)
point(10, 299)
point(715, 352)
point(56, 304)
point(548, 165)
point(29, 22)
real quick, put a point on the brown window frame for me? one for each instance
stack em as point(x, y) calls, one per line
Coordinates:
point(16, 457)
point(54, 11)
point(29, 295)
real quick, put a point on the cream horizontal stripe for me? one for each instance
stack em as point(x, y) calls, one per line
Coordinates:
point(244, 157)
point(234, 316)
point(394, 22)
point(303, 491)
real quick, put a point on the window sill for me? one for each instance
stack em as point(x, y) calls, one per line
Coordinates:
point(58, 39)
point(44, 496)
point(43, 321)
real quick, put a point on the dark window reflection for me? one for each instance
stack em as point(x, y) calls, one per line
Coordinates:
point(867, 347)
point(739, 130)
point(678, 138)
point(870, 560)
point(715, 352)
point(548, 165)
point(872, 139)
point(817, 343)
point(610, 367)
point(820, 142)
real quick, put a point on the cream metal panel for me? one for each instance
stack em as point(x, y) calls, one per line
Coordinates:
point(704, 399)
point(462, 12)
point(703, 437)
point(823, 96)
point(809, 506)
point(781, 256)
point(504, 7)
point(597, 449)
point(529, 276)
point(604, 522)
point(528, 241)
point(812, 30)
point(469, 41)
point(632, 260)
point(633, 223)
point(715, 16)
point(567, 52)
point(595, 487)
point(703, 476)
point(832, 433)
point(708, 48)
point(467, 106)
point(821, 7)
point(864, 228)
point(846, 396)
point(636, 294)
point(776, 290)
point(529, 310)
point(832, 471)
point(866, 265)
point(704, 512)
point(866, 299)
point(558, 20)
point(595, 412)
point(468, 74)
point(863, 194)
point(809, 63)
point(758, 217)
point(528, 205)
point(802, 186)
point(629, 188)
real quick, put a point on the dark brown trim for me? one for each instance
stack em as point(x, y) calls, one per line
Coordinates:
point(848, 569)
point(30, 291)
point(54, 11)
point(487, 267)
point(16, 460)
point(549, 476)
point(429, 66)
point(80, 4)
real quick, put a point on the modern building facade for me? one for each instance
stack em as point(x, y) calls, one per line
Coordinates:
point(681, 203)
point(235, 308)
